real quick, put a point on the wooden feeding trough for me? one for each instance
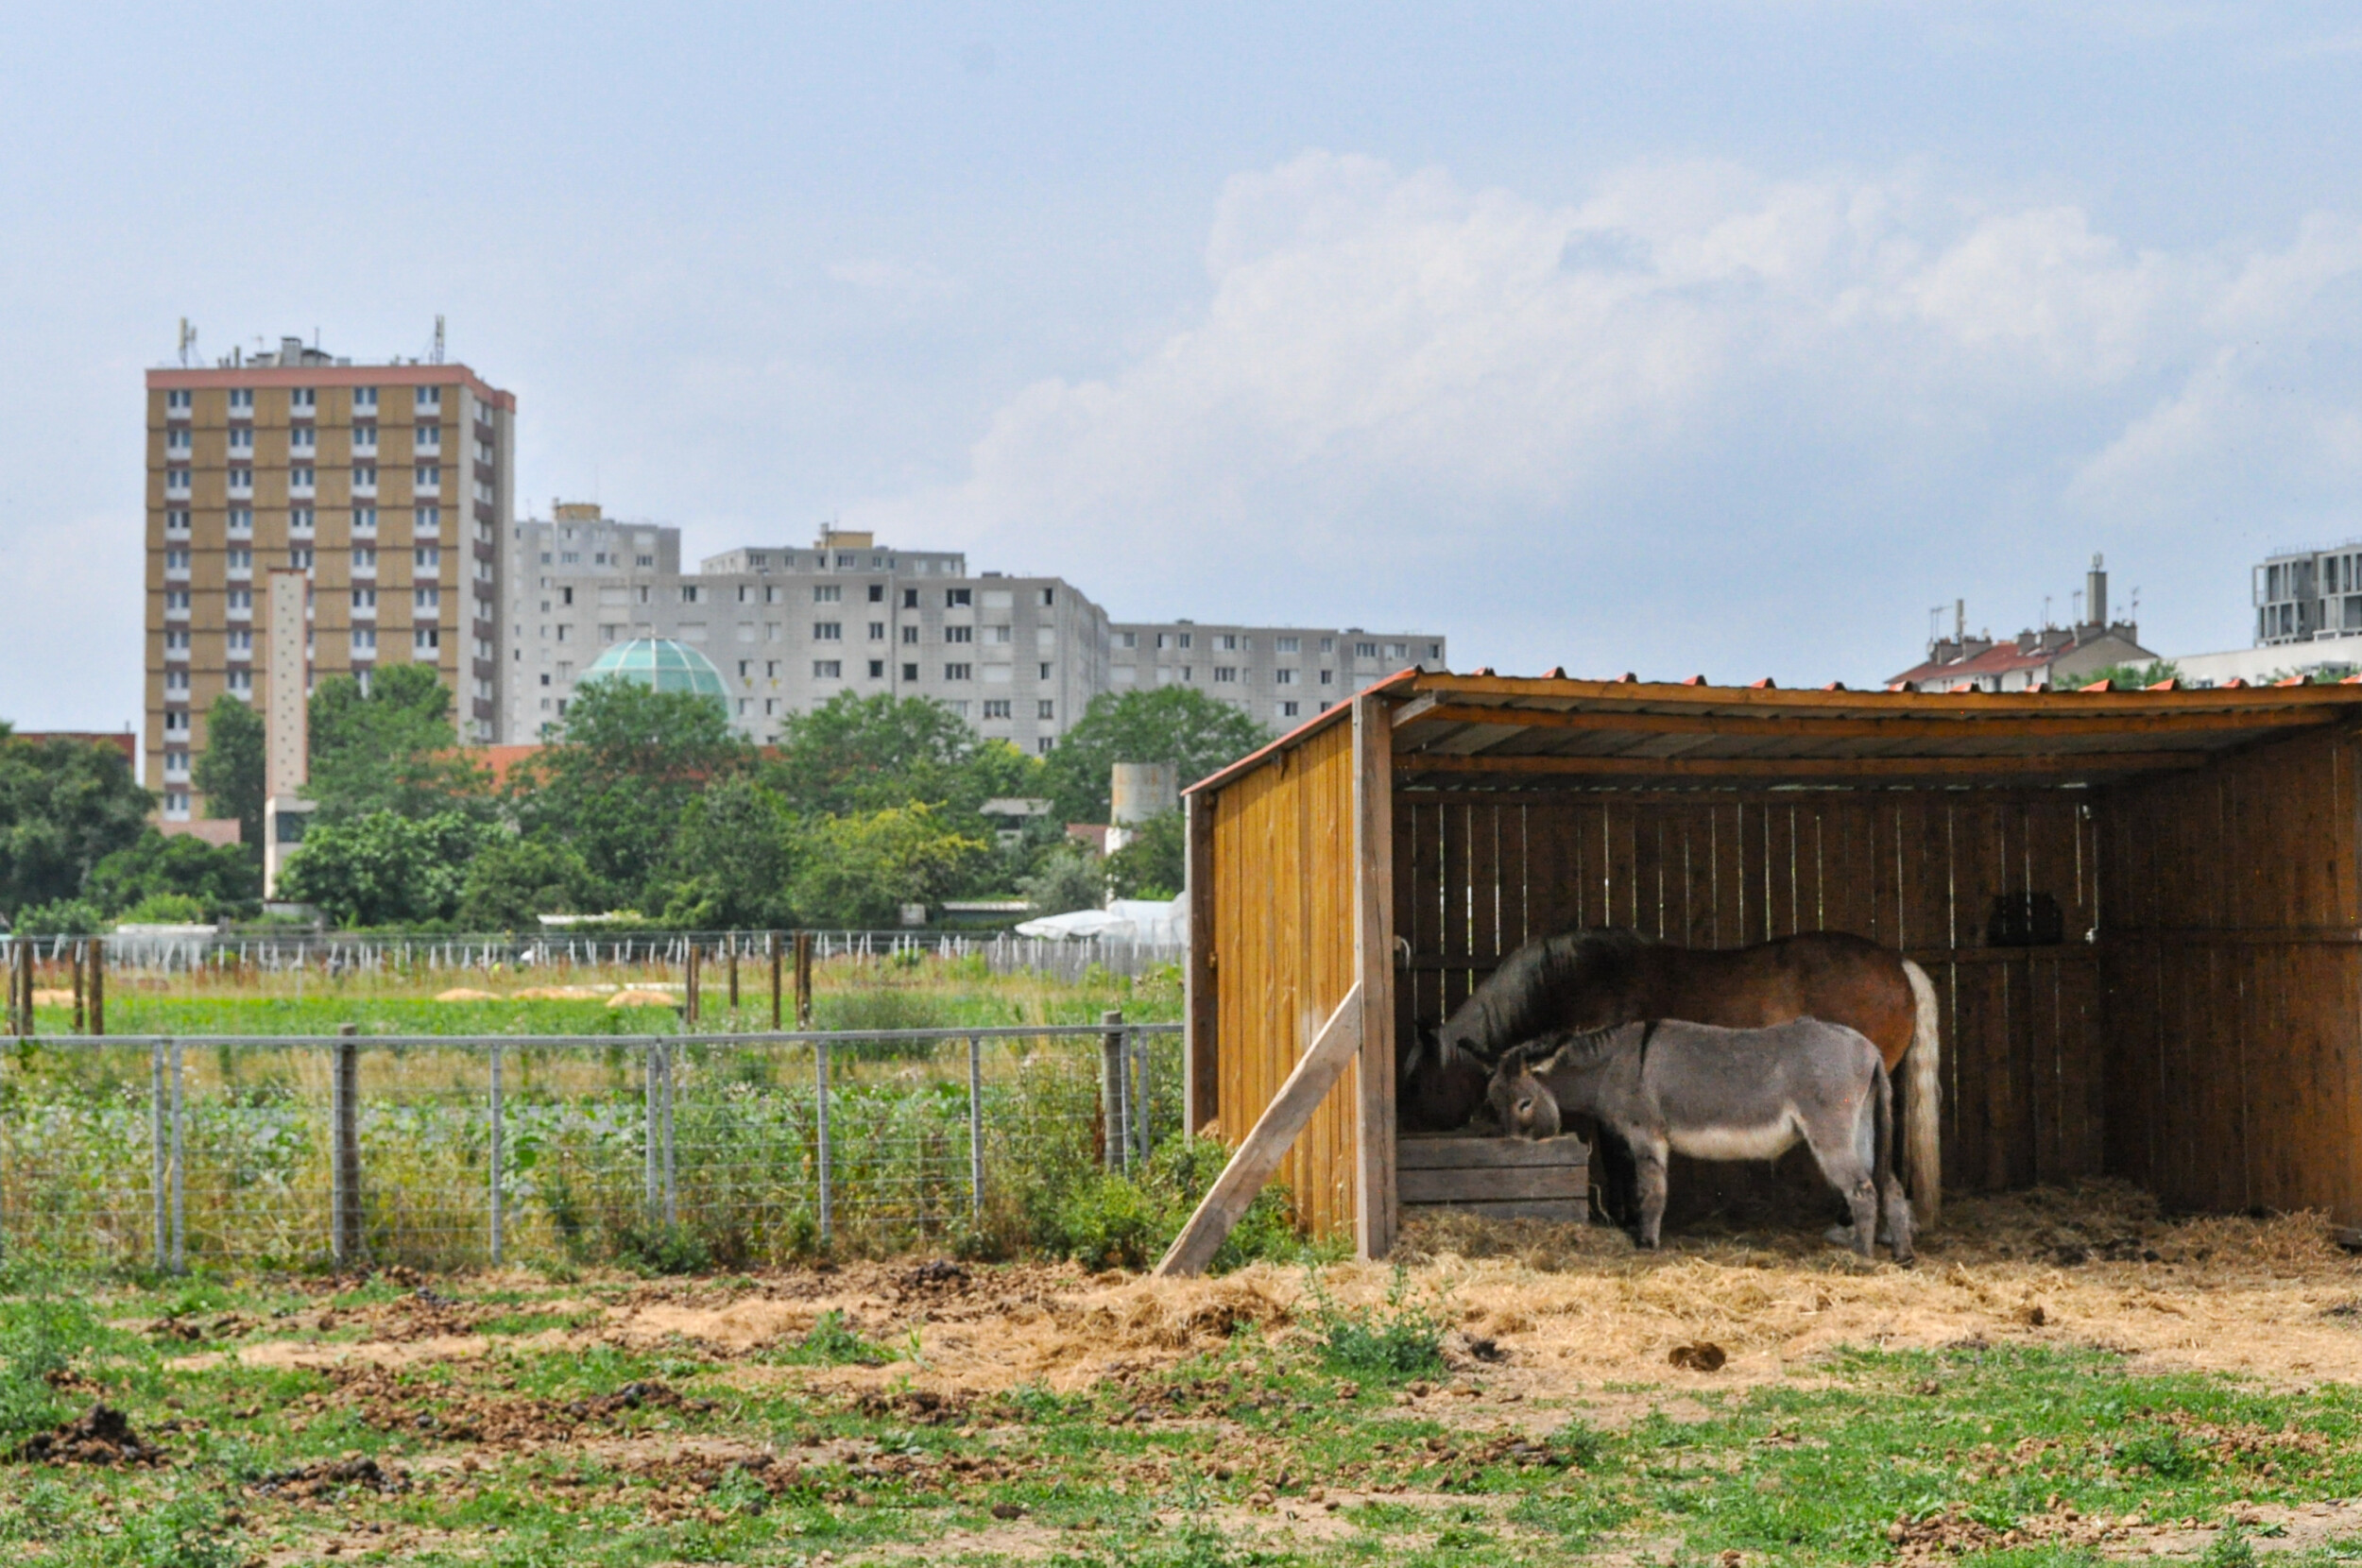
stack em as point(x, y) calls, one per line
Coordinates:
point(2141, 909)
point(1494, 1178)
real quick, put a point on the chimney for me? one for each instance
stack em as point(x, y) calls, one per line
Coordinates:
point(2095, 593)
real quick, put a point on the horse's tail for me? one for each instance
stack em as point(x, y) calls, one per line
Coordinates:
point(1882, 1128)
point(1923, 1103)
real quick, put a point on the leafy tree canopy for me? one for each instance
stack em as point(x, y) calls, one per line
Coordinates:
point(221, 882)
point(1170, 724)
point(391, 748)
point(228, 771)
point(511, 880)
point(868, 754)
point(1067, 878)
point(386, 869)
point(1154, 864)
point(64, 807)
point(734, 860)
point(615, 781)
point(2131, 677)
point(859, 869)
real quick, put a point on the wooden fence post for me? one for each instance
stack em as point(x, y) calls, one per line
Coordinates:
point(80, 947)
point(731, 960)
point(1114, 1138)
point(688, 981)
point(345, 1150)
point(99, 986)
point(771, 950)
point(495, 1129)
point(803, 979)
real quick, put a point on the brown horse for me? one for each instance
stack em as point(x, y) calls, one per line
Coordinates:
point(1600, 978)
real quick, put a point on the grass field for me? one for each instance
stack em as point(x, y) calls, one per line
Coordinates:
point(2064, 1380)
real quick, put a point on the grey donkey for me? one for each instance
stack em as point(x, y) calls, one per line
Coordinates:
point(1720, 1094)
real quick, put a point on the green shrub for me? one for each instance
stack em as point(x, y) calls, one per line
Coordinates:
point(1401, 1339)
point(42, 1333)
point(1104, 1220)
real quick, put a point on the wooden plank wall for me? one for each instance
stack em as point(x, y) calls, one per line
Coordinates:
point(1282, 955)
point(1478, 873)
point(2233, 980)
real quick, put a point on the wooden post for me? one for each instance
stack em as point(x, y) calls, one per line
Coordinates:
point(731, 962)
point(690, 978)
point(803, 979)
point(494, 1129)
point(771, 950)
point(1275, 1131)
point(1201, 1085)
point(652, 1121)
point(80, 947)
point(1376, 1208)
point(99, 986)
point(345, 1150)
point(1111, 1117)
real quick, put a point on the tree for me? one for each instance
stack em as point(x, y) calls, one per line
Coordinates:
point(512, 880)
point(390, 748)
point(1067, 878)
point(858, 870)
point(866, 754)
point(2129, 677)
point(615, 781)
point(386, 869)
point(64, 807)
point(222, 881)
point(1153, 864)
point(1170, 723)
point(734, 860)
point(230, 770)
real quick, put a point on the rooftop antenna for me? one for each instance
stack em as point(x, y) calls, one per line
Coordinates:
point(1935, 624)
point(2046, 612)
point(437, 358)
point(2076, 599)
point(188, 341)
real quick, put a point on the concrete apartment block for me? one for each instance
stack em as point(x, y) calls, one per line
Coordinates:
point(1280, 675)
point(386, 484)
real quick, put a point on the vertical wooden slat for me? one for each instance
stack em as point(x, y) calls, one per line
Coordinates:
point(1202, 1092)
point(1371, 843)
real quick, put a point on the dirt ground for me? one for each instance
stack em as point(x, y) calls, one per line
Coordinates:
point(1544, 1309)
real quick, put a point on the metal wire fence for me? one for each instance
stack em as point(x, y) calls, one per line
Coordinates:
point(440, 1152)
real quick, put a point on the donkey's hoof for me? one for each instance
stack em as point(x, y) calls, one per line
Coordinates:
point(1842, 1235)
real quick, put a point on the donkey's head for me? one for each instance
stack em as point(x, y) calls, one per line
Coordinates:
point(1521, 1102)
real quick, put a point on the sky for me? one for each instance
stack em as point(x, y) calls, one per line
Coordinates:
point(1679, 338)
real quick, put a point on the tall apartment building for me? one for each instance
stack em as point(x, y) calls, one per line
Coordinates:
point(1281, 675)
point(387, 484)
point(2305, 595)
point(789, 627)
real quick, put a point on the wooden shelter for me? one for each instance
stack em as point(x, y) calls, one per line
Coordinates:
point(2142, 910)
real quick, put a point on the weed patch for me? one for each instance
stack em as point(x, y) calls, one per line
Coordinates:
point(1402, 1339)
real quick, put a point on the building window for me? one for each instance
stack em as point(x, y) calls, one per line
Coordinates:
point(1283, 677)
point(1397, 649)
point(365, 599)
point(997, 634)
point(1049, 596)
point(910, 634)
point(427, 397)
point(910, 672)
point(954, 599)
point(302, 400)
point(302, 439)
point(910, 599)
point(1043, 745)
point(176, 401)
point(1328, 678)
point(176, 642)
point(959, 633)
point(364, 398)
point(176, 440)
point(1287, 711)
point(427, 476)
point(1226, 641)
point(877, 669)
point(426, 637)
point(300, 520)
point(365, 519)
point(1044, 673)
point(241, 521)
point(242, 439)
point(958, 672)
point(176, 560)
point(364, 642)
point(565, 632)
point(241, 642)
point(299, 558)
point(1224, 672)
point(876, 631)
point(241, 682)
point(427, 557)
point(364, 561)
point(240, 479)
point(877, 593)
point(1328, 645)
point(426, 598)
point(828, 669)
point(430, 439)
point(239, 598)
point(1366, 650)
point(426, 522)
point(1435, 650)
point(827, 593)
point(241, 399)
point(996, 707)
point(240, 560)
point(1047, 709)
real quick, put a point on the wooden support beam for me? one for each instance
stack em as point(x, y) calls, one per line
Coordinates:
point(1201, 1086)
point(1316, 1072)
point(1432, 709)
point(1804, 767)
point(1373, 841)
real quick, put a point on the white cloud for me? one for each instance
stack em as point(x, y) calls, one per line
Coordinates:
point(1393, 365)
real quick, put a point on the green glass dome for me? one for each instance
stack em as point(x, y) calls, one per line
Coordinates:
point(663, 664)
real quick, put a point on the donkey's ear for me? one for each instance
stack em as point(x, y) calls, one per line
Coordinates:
point(1513, 1059)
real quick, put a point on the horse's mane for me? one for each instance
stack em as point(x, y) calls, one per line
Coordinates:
point(1507, 1008)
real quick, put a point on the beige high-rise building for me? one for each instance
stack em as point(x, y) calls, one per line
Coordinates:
point(387, 484)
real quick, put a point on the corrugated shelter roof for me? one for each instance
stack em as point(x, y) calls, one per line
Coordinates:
point(1486, 731)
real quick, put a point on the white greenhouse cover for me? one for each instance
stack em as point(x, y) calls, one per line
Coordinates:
point(1122, 920)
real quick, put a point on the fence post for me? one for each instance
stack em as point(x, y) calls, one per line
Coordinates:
point(975, 1130)
point(671, 1212)
point(655, 1121)
point(1136, 1082)
point(820, 1070)
point(496, 1194)
point(1111, 1118)
point(99, 986)
point(344, 1152)
point(155, 1145)
point(732, 961)
point(80, 948)
point(179, 1167)
point(803, 979)
point(689, 980)
point(771, 950)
